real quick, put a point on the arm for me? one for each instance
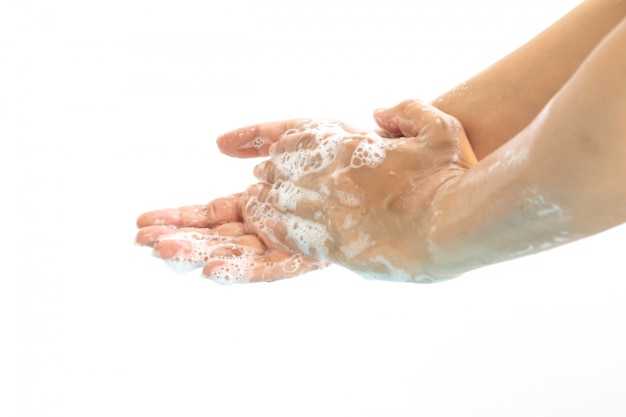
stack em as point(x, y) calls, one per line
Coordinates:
point(417, 207)
point(560, 179)
point(496, 104)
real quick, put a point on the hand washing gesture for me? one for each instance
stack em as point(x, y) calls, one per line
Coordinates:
point(402, 203)
point(327, 193)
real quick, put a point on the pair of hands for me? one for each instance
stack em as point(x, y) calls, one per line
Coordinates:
point(327, 193)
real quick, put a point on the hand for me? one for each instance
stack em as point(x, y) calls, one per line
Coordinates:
point(215, 237)
point(364, 200)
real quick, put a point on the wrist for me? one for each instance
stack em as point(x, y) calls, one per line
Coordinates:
point(441, 260)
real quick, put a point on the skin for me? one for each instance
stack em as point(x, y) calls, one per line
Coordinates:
point(431, 150)
point(496, 104)
point(218, 228)
point(556, 180)
point(373, 214)
point(559, 179)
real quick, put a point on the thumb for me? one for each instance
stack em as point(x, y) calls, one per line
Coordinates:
point(405, 119)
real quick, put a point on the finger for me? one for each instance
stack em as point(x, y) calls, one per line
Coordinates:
point(303, 146)
point(408, 118)
point(270, 266)
point(198, 249)
point(266, 172)
point(284, 218)
point(150, 234)
point(254, 141)
point(387, 135)
point(218, 211)
point(260, 216)
point(231, 229)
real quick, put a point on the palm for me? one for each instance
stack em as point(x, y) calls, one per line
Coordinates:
point(215, 237)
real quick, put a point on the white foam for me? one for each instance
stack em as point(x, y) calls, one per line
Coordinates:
point(551, 209)
point(181, 267)
point(256, 143)
point(234, 270)
point(205, 248)
point(287, 195)
point(541, 205)
point(244, 269)
point(357, 246)
point(371, 152)
point(309, 236)
point(396, 274)
point(349, 222)
point(347, 199)
point(522, 252)
point(296, 164)
point(311, 154)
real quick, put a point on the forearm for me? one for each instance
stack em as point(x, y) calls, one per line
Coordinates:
point(496, 104)
point(559, 179)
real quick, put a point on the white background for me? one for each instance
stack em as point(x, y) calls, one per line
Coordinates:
point(109, 109)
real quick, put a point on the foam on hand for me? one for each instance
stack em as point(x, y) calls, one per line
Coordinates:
point(312, 150)
point(246, 268)
point(370, 152)
point(290, 210)
point(234, 262)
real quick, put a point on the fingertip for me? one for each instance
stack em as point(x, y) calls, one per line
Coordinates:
point(222, 145)
point(242, 143)
point(142, 221)
point(222, 272)
point(138, 241)
point(266, 172)
point(379, 114)
point(149, 219)
point(386, 122)
point(227, 148)
point(143, 239)
point(148, 235)
point(207, 269)
point(162, 217)
point(271, 151)
point(172, 249)
point(405, 118)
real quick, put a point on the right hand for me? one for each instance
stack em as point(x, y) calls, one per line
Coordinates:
point(352, 197)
